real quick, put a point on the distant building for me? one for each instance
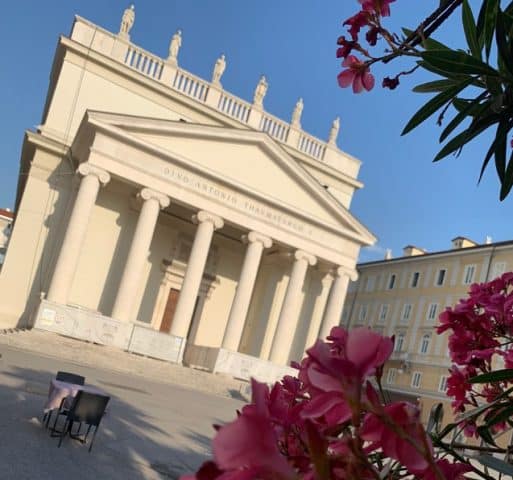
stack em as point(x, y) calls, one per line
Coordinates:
point(161, 214)
point(6, 218)
point(404, 296)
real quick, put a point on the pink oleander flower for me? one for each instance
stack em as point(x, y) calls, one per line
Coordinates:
point(357, 74)
point(379, 7)
point(346, 47)
point(384, 436)
point(450, 471)
point(356, 22)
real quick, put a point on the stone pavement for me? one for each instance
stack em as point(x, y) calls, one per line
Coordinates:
point(153, 430)
point(83, 353)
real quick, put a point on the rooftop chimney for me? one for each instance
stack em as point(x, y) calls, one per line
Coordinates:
point(462, 242)
point(388, 254)
point(412, 250)
point(488, 240)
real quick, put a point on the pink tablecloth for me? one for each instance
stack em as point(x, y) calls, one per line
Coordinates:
point(59, 390)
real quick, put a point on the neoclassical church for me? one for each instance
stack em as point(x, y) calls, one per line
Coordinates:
point(160, 214)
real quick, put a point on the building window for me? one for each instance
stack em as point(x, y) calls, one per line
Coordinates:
point(399, 342)
point(468, 274)
point(498, 269)
point(392, 372)
point(442, 386)
point(369, 283)
point(415, 279)
point(362, 314)
point(383, 313)
point(432, 311)
point(416, 379)
point(424, 344)
point(406, 312)
point(440, 278)
point(391, 281)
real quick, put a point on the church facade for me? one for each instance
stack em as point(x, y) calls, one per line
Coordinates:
point(158, 213)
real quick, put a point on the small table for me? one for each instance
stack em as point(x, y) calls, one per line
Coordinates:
point(60, 390)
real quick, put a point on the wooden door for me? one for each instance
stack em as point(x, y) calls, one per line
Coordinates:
point(169, 311)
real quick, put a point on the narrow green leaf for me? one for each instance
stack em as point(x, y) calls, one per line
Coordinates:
point(469, 25)
point(500, 153)
point(471, 109)
point(434, 104)
point(434, 86)
point(478, 126)
point(503, 43)
point(428, 43)
point(507, 183)
point(495, 464)
point(485, 434)
point(487, 159)
point(457, 62)
point(481, 22)
point(489, 22)
point(500, 416)
point(496, 376)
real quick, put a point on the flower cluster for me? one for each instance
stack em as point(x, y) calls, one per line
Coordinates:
point(328, 423)
point(481, 338)
point(357, 72)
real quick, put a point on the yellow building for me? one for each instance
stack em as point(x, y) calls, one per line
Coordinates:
point(404, 297)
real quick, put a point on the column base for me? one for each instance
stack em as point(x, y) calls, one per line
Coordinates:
point(234, 364)
point(91, 326)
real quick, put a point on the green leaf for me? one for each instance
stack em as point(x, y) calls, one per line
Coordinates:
point(501, 416)
point(457, 62)
point(495, 464)
point(503, 43)
point(471, 109)
point(469, 25)
point(478, 126)
point(484, 433)
point(487, 159)
point(496, 376)
point(500, 152)
point(428, 43)
point(507, 183)
point(434, 86)
point(488, 22)
point(434, 104)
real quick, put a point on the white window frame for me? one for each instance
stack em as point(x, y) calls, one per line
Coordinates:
point(391, 375)
point(392, 279)
point(370, 282)
point(362, 314)
point(498, 269)
point(432, 307)
point(398, 346)
point(469, 273)
point(425, 344)
point(413, 277)
point(383, 312)
point(437, 276)
point(416, 379)
point(406, 313)
point(442, 385)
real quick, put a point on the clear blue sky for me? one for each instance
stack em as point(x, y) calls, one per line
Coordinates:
point(406, 200)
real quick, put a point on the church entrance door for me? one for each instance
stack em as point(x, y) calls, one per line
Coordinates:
point(169, 311)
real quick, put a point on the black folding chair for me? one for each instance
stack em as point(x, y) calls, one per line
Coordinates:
point(63, 377)
point(87, 408)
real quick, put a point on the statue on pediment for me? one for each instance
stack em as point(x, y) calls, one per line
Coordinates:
point(260, 92)
point(335, 127)
point(174, 47)
point(219, 68)
point(127, 21)
point(296, 114)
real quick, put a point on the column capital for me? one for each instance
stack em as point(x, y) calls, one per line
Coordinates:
point(302, 255)
point(253, 237)
point(86, 169)
point(341, 271)
point(148, 194)
point(203, 216)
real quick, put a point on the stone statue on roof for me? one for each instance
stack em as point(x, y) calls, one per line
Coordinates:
point(296, 114)
point(174, 47)
point(219, 68)
point(127, 21)
point(335, 127)
point(260, 91)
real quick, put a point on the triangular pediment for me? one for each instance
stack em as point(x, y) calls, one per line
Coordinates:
point(246, 159)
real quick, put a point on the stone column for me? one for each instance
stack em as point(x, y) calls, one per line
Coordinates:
point(125, 308)
point(207, 223)
point(333, 313)
point(239, 310)
point(67, 261)
point(287, 322)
